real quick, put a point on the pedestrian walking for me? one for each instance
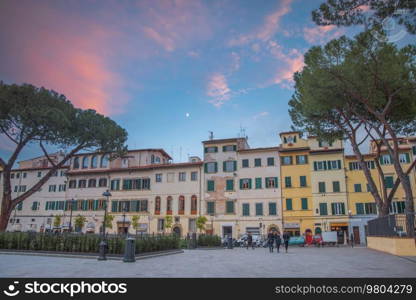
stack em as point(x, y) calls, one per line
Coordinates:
point(270, 241)
point(352, 240)
point(278, 240)
point(250, 241)
point(286, 238)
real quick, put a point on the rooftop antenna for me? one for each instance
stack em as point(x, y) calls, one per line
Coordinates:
point(211, 135)
point(243, 132)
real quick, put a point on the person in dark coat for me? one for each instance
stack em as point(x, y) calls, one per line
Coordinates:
point(270, 241)
point(286, 238)
point(278, 240)
point(250, 241)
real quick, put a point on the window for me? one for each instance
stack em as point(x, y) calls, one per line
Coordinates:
point(288, 181)
point(62, 187)
point(325, 144)
point(229, 148)
point(229, 207)
point(39, 174)
point(403, 158)
point(210, 185)
point(55, 173)
point(82, 183)
point(246, 209)
point(181, 205)
point(171, 177)
point(169, 201)
point(270, 161)
point(92, 183)
point(335, 187)
point(289, 204)
point(397, 207)
point(63, 173)
point(136, 184)
point(245, 183)
point(388, 182)
point(338, 208)
point(52, 188)
point(272, 209)
point(22, 188)
point(72, 184)
point(102, 182)
point(16, 188)
point(370, 208)
point(19, 206)
point(304, 203)
point(286, 160)
point(161, 224)
point(85, 162)
point(245, 163)
point(259, 209)
point(385, 159)
point(194, 176)
point(76, 163)
point(211, 167)
point(257, 162)
point(104, 161)
point(210, 207)
point(194, 204)
point(115, 184)
point(302, 180)
point(229, 166)
point(35, 205)
point(322, 188)
point(271, 182)
point(24, 175)
point(258, 183)
point(301, 159)
point(323, 209)
point(12, 175)
point(94, 162)
point(182, 176)
point(158, 177)
point(414, 150)
point(157, 205)
point(357, 188)
point(17, 175)
point(229, 185)
point(357, 166)
point(211, 149)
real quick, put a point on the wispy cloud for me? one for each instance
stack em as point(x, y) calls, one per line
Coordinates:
point(268, 29)
point(218, 90)
point(321, 34)
point(260, 115)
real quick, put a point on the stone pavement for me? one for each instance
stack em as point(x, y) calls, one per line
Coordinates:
point(299, 262)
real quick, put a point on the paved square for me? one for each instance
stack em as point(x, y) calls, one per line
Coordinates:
point(299, 262)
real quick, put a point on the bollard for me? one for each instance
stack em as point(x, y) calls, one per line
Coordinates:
point(130, 250)
point(102, 250)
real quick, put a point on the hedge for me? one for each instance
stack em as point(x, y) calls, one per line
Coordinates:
point(209, 240)
point(85, 243)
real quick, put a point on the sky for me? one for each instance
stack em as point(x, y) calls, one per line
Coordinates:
point(167, 71)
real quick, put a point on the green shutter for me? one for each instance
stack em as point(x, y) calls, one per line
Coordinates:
point(288, 181)
point(235, 165)
point(276, 182)
point(205, 167)
point(304, 203)
point(407, 157)
point(249, 183)
point(289, 204)
point(343, 208)
point(241, 184)
point(303, 181)
point(246, 209)
point(258, 183)
point(230, 207)
point(210, 185)
point(272, 209)
point(230, 185)
point(323, 210)
point(134, 205)
point(223, 166)
point(114, 205)
point(388, 182)
point(259, 209)
point(333, 208)
point(360, 208)
point(315, 166)
point(339, 164)
point(216, 167)
point(328, 163)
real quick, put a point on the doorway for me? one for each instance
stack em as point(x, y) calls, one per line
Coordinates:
point(356, 233)
point(177, 230)
point(227, 231)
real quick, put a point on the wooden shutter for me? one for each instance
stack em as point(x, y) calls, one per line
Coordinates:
point(223, 166)
point(249, 183)
point(276, 182)
point(407, 157)
point(216, 167)
point(343, 208)
point(315, 166)
point(205, 168)
point(235, 165)
point(241, 184)
point(304, 203)
point(333, 208)
point(360, 208)
point(114, 206)
point(288, 204)
point(339, 164)
point(258, 183)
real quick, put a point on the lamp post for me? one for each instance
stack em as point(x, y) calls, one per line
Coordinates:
point(70, 216)
point(103, 244)
point(126, 232)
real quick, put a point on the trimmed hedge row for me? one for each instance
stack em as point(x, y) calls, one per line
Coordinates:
point(209, 240)
point(87, 243)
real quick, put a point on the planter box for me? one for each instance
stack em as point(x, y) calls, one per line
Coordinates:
point(393, 245)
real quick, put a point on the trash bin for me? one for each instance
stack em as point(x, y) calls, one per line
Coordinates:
point(230, 243)
point(130, 250)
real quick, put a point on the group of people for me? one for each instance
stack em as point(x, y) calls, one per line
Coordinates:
point(272, 238)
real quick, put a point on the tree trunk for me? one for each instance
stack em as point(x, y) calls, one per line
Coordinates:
point(6, 211)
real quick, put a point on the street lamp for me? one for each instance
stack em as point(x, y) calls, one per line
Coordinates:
point(124, 218)
point(72, 201)
point(103, 244)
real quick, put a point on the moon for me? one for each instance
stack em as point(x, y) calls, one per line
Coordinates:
point(187, 115)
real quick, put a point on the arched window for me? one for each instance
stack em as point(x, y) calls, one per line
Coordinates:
point(157, 160)
point(194, 204)
point(181, 205)
point(169, 205)
point(94, 161)
point(76, 163)
point(152, 159)
point(157, 205)
point(85, 162)
point(104, 161)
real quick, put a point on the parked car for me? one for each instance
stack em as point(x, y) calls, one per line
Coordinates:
point(297, 240)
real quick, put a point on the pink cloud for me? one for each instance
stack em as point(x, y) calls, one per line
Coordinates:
point(290, 63)
point(268, 29)
point(218, 90)
point(165, 41)
point(320, 34)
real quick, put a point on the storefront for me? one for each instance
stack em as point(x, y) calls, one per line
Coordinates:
point(292, 228)
point(342, 231)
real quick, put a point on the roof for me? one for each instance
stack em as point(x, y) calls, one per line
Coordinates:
point(220, 141)
point(130, 151)
point(324, 151)
point(37, 169)
point(138, 168)
point(259, 149)
point(288, 132)
point(294, 149)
